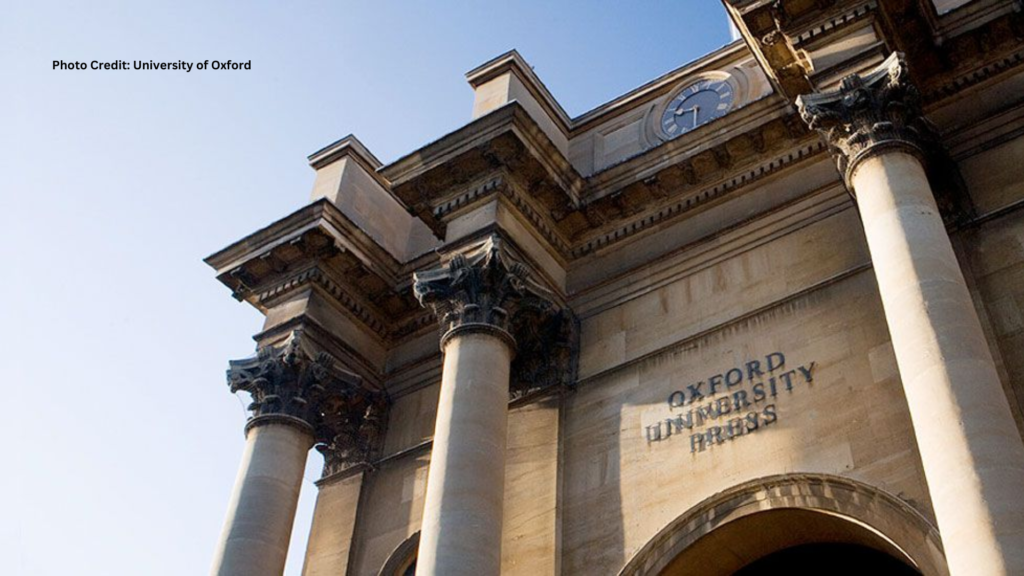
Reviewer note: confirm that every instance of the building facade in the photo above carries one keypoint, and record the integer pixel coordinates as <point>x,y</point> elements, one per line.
<point>765,310</point>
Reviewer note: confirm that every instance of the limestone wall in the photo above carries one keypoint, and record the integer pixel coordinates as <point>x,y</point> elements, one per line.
<point>622,484</point>
<point>995,258</point>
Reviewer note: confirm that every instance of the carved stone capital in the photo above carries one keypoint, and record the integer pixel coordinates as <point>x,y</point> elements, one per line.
<point>481,289</point>
<point>307,389</point>
<point>868,115</point>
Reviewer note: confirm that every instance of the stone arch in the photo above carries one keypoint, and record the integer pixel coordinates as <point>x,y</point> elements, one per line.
<point>840,509</point>
<point>402,557</point>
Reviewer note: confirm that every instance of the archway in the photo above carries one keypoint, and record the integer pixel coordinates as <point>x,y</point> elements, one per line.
<point>792,520</point>
<point>839,560</point>
<point>402,560</point>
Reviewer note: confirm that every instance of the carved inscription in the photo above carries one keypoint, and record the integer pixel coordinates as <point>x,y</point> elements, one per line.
<point>731,404</point>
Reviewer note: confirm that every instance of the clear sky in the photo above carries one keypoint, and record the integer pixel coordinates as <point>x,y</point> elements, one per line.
<point>115,184</point>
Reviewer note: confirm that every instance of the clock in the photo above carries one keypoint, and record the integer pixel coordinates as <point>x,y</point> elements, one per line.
<point>695,105</point>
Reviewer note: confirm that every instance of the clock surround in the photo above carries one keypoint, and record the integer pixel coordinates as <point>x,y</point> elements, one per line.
<point>697,103</point>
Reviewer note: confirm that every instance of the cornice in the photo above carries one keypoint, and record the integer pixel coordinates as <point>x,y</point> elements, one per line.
<point>837,21</point>
<point>317,246</point>
<point>347,146</point>
<point>762,24</point>
<point>488,127</point>
<point>952,86</point>
<point>368,315</point>
<point>697,198</point>
<point>500,185</point>
<point>504,138</point>
<point>319,214</point>
<point>644,191</point>
<point>969,16</point>
<point>735,126</point>
<point>573,126</point>
<point>271,235</point>
<point>945,57</point>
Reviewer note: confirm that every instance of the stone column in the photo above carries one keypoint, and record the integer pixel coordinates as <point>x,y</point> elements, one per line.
<point>475,298</point>
<point>297,402</point>
<point>260,516</point>
<point>971,451</point>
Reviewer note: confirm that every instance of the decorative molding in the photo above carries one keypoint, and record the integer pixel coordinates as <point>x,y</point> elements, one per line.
<point>317,276</point>
<point>834,24</point>
<point>868,115</point>
<point>844,498</point>
<point>445,208</point>
<point>500,185</point>
<point>299,386</point>
<point>975,76</point>
<point>700,198</point>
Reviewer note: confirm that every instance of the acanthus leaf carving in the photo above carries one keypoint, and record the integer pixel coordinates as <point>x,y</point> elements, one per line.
<point>484,289</point>
<point>868,114</point>
<point>306,388</point>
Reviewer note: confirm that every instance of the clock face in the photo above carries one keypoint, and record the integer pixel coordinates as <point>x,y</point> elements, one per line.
<point>697,104</point>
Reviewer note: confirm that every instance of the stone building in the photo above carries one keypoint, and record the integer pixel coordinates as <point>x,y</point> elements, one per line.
<point>764,311</point>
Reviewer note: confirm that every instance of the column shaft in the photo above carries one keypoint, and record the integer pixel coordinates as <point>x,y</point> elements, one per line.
<point>461,533</point>
<point>259,521</point>
<point>972,454</point>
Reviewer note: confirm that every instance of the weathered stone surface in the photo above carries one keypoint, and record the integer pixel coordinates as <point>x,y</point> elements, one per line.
<point>869,115</point>
<point>674,263</point>
<point>288,385</point>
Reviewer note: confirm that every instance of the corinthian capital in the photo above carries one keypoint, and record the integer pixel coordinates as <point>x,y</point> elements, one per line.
<point>306,389</point>
<point>479,289</point>
<point>869,114</point>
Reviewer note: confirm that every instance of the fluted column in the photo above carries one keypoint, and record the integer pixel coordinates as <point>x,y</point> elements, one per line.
<point>298,402</point>
<point>476,297</point>
<point>970,448</point>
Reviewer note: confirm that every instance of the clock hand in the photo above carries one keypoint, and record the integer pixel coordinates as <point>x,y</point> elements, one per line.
<point>696,110</point>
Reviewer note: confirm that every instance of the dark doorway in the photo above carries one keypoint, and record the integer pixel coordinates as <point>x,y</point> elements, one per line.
<point>831,559</point>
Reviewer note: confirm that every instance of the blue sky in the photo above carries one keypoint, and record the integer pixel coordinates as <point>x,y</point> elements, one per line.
<point>115,184</point>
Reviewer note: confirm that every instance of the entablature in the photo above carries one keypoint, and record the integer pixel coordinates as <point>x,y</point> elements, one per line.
<point>318,247</point>
<point>507,138</point>
<point>808,44</point>
<point>451,182</point>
